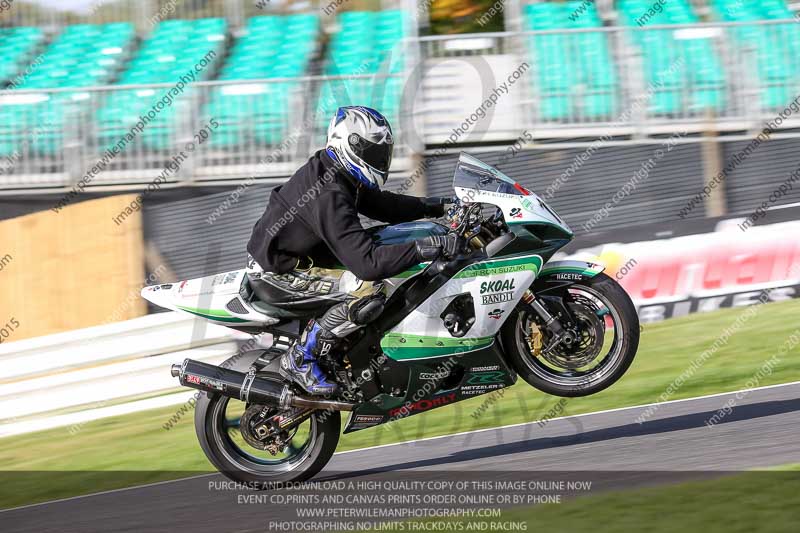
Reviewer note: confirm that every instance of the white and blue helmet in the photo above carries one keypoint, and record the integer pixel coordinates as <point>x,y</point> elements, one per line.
<point>361,140</point>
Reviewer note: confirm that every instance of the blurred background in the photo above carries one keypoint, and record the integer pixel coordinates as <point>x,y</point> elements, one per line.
<point>665,132</point>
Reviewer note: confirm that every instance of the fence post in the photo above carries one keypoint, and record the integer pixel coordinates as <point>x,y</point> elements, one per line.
<point>72,148</point>
<point>144,14</point>
<point>234,12</point>
<point>711,150</point>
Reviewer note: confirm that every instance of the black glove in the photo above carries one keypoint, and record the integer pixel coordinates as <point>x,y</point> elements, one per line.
<point>434,206</point>
<point>430,248</point>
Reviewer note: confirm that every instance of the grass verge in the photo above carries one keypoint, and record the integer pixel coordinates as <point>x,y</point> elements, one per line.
<point>746,502</point>
<point>138,443</point>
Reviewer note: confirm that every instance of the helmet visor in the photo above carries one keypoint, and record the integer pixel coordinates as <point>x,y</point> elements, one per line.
<point>378,156</point>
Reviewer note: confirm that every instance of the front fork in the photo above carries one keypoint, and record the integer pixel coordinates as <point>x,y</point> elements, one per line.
<point>560,334</point>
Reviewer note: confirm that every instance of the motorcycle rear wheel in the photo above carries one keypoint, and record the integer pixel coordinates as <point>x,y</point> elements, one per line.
<point>217,422</point>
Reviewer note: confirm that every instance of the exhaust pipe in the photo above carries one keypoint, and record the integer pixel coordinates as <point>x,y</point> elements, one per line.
<point>248,387</point>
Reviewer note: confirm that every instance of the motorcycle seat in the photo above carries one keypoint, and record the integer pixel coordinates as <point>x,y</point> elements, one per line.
<point>278,301</point>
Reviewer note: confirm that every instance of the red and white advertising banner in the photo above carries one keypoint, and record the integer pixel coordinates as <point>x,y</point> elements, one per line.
<point>704,272</point>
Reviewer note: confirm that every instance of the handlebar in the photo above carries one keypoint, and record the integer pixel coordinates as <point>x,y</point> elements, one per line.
<point>442,264</point>
<point>467,222</point>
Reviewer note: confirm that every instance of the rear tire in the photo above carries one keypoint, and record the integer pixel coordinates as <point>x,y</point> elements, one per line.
<point>239,465</point>
<point>624,347</point>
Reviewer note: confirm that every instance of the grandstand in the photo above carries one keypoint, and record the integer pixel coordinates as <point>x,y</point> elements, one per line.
<point>17,47</point>
<point>272,80</point>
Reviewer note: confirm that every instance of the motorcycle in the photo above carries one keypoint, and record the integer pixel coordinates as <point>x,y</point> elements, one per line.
<point>451,329</point>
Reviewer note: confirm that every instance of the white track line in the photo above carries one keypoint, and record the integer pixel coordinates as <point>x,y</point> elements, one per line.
<point>112,491</point>
<point>500,428</point>
<point>616,409</point>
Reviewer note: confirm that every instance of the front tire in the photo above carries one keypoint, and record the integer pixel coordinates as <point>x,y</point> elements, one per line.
<point>598,301</point>
<point>217,428</point>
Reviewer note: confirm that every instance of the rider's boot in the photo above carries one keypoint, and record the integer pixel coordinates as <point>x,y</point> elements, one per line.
<point>322,337</point>
<point>300,365</point>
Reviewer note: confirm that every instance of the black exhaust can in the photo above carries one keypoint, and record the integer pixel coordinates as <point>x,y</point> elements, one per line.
<point>215,379</point>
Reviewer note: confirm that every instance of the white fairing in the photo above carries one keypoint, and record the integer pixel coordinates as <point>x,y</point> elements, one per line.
<point>215,298</point>
<point>495,285</point>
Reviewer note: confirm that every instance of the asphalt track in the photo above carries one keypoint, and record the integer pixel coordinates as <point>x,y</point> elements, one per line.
<point>611,448</point>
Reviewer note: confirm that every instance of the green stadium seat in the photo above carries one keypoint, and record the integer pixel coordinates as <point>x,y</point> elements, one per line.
<point>173,49</point>
<point>82,55</point>
<point>570,61</point>
<point>699,85</point>
<point>775,48</point>
<point>367,43</point>
<point>272,46</point>
<point>17,49</point>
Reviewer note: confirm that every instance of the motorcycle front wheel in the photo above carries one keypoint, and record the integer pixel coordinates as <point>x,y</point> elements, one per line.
<point>605,341</point>
<point>218,424</point>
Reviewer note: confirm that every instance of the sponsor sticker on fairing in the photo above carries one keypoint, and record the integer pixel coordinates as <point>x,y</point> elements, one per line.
<point>484,368</point>
<point>485,378</point>
<point>423,405</point>
<point>474,390</point>
<point>498,285</point>
<point>528,205</point>
<point>365,421</point>
<point>428,376</point>
<point>368,418</point>
<point>496,313</point>
<point>500,297</point>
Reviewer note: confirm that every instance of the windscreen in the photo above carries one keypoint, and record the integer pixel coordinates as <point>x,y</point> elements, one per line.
<point>472,173</point>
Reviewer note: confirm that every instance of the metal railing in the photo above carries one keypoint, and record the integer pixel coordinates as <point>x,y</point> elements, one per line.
<point>116,135</point>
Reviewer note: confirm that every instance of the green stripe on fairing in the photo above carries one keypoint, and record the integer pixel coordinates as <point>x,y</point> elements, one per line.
<point>419,346</point>
<point>534,262</point>
<point>211,314</point>
<point>416,269</point>
<point>496,266</point>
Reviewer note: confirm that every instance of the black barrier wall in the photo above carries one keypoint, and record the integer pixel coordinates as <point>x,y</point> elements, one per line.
<point>577,194</point>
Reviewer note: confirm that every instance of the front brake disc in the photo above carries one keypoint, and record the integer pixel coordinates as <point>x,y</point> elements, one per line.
<point>588,344</point>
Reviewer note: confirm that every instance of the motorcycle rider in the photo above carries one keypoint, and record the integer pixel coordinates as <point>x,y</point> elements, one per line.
<point>311,227</point>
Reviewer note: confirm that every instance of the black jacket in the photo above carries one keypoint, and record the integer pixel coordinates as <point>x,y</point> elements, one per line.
<point>315,215</point>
